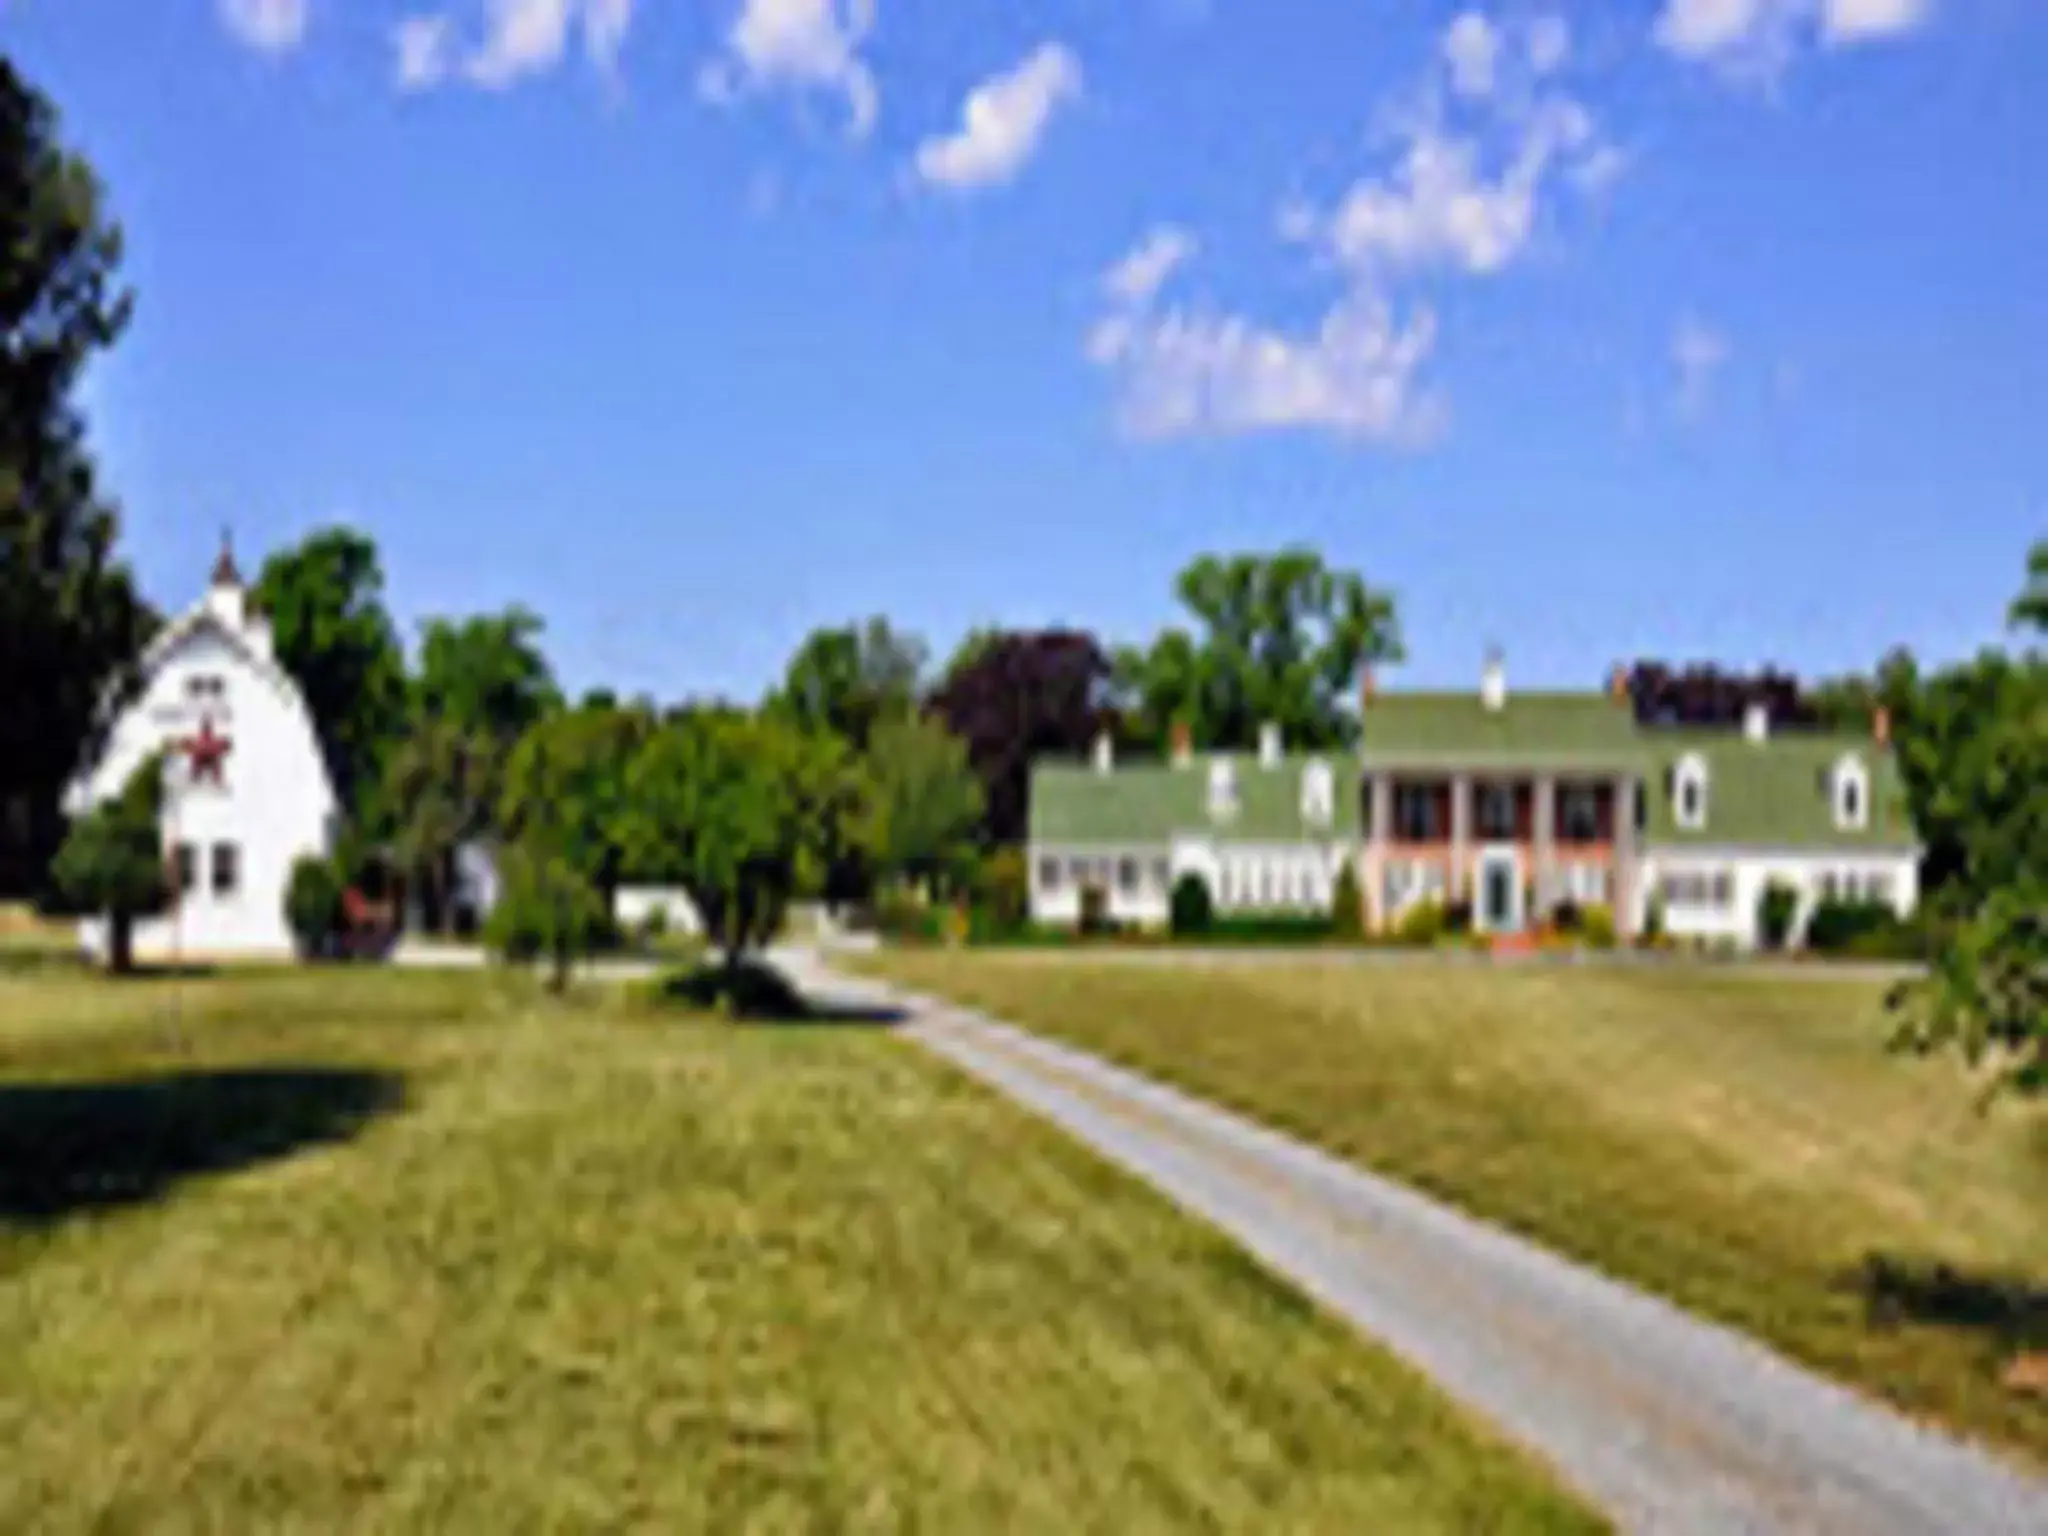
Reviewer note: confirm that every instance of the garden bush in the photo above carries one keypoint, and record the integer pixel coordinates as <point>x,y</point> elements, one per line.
<point>1455,916</point>
<point>1567,917</point>
<point>1193,910</point>
<point>313,906</point>
<point>1272,928</point>
<point>1347,904</point>
<point>1840,926</point>
<point>1596,926</point>
<point>1776,910</point>
<point>1002,895</point>
<point>1422,925</point>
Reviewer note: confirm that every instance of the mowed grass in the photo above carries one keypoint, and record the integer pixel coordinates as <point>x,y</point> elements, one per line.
<point>1741,1144</point>
<point>381,1252</point>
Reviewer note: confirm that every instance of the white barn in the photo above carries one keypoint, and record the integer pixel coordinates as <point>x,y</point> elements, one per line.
<point>246,788</point>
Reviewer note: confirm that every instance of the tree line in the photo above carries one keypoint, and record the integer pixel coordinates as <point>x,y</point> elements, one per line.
<point>865,768</point>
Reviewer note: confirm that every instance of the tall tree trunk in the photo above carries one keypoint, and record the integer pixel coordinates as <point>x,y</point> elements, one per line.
<point>120,943</point>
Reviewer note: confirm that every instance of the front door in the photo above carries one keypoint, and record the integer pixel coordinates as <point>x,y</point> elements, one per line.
<point>1499,900</point>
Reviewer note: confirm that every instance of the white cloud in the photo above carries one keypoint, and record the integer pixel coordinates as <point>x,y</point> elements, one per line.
<point>1471,49</point>
<point>268,26</point>
<point>1137,279</point>
<point>1482,150</point>
<point>530,37</point>
<point>1756,38</point>
<point>803,45</point>
<point>1698,353</point>
<point>1852,21</point>
<point>1357,374</point>
<point>1002,123</point>
<point>424,46</point>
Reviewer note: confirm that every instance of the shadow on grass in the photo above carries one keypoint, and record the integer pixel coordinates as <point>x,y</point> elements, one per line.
<point>66,1148</point>
<point>2008,1311</point>
<point>757,993</point>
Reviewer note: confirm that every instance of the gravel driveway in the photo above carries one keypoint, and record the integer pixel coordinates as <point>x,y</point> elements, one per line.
<point>1666,1422</point>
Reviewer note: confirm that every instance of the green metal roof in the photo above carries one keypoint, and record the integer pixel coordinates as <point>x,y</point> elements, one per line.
<point>1530,729</point>
<point>1147,803</point>
<point>1775,793</point>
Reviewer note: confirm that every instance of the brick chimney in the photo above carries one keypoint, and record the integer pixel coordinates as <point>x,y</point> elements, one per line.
<point>1617,684</point>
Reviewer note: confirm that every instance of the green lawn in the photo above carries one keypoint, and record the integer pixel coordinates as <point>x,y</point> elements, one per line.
<point>367,1251</point>
<point>1742,1145</point>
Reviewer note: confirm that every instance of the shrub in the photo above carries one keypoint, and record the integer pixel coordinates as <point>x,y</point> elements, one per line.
<point>1776,910</point>
<point>1596,926</point>
<point>1567,916</point>
<point>1193,909</point>
<point>1347,904</point>
<point>1003,890</point>
<point>654,924</point>
<point>1095,911</point>
<point>901,918</point>
<point>312,906</point>
<point>1456,916</point>
<point>1654,933</point>
<point>1839,926</point>
<point>1422,925</point>
<point>1272,928</point>
<point>546,908</point>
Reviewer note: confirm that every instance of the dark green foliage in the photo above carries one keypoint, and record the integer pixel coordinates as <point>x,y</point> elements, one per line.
<point>71,621</point>
<point>1002,895</point>
<point>1567,917</point>
<point>112,862</point>
<point>564,790</point>
<point>325,601</point>
<point>486,675</point>
<point>1278,637</point>
<point>1457,915</point>
<point>1423,925</point>
<point>313,906</point>
<point>744,812</point>
<point>1843,927</point>
<point>1277,928</point>
<point>1347,904</point>
<point>1776,910</point>
<point>547,909</point>
<point>926,803</point>
<point>848,680</point>
<point>1985,995</point>
<point>1192,910</point>
<point>902,917</point>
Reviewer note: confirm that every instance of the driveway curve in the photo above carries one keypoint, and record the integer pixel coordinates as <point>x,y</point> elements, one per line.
<point>1668,1423</point>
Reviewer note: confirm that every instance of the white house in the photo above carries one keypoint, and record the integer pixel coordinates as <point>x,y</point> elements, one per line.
<point>246,788</point>
<point>1513,803</point>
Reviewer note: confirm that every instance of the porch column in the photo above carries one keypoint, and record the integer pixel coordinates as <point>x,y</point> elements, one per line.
<point>1380,815</point>
<point>1627,858</point>
<point>1546,843</point>
<point>1461,835</point>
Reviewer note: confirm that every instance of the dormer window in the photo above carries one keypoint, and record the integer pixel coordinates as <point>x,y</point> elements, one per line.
<point>1689,793</point>
<point>1318,794</point>
<point>1851,795</point>
<point>1222,790</point>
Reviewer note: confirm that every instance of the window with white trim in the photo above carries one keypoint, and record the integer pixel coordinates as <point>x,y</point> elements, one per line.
<point>1049,872</point>
<point>1318,794</point>
<point>1578,813</point>
<point>1852,795</point>
<point>1222,790</point>
<point>1689,793</point>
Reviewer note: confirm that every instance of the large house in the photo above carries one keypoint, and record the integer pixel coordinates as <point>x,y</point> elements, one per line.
<point>246,788</point>
<point>1512,802</point>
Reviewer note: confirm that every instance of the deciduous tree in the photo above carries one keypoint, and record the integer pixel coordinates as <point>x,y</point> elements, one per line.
<point>325,601</point>
<point>1019,696</point>
<point>744,813</point>
<point>928,802</point>
<point>1278,638</point>
<point>112,862</point>
<point>849,679</point>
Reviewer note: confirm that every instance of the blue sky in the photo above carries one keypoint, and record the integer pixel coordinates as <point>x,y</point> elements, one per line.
<point>1688,327</point>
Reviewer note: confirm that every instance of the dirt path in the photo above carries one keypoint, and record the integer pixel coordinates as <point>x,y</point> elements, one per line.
<point>1667,1422</point>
